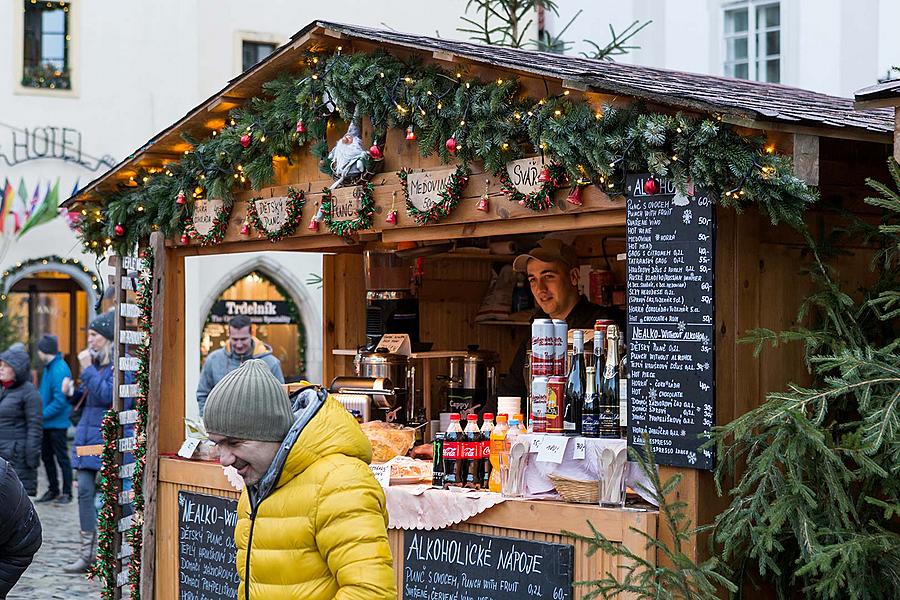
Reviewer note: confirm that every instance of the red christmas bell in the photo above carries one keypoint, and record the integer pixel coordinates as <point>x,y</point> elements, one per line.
<point>185,240</point>
<point>120,231</point>
<point>245,140</point>
<point>450,144</point>
<point>651,186</point>
<point>180,199</point>
<point>375,152</point>
<point>544,177</point>
<point>313,225</point>
<point>301,128</point>
<point>245,229</point>
<point>391,218</point>
<point>483,204</point>
<point>574,196</point>
<point>410,134</point>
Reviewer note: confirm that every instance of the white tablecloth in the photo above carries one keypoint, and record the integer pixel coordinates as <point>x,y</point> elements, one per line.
<point>423,507</point>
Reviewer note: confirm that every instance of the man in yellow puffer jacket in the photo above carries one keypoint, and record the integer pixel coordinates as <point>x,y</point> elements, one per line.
<point>312,521</point>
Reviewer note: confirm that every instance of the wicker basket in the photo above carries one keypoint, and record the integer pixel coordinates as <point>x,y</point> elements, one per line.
<point>576,490</point>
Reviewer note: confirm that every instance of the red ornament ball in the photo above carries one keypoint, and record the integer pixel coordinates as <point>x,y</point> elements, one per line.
<point>651,186</point>
<point>375,152</point>
<point>450,144</point>
<point>245,229</point>
<point>120,231</point>
<point>185,240</point>
<point>245,140</point>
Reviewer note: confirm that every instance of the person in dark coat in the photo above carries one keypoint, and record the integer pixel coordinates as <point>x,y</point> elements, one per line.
<point>21,417</point>
<point>20,529</point>
<point>57,409</point>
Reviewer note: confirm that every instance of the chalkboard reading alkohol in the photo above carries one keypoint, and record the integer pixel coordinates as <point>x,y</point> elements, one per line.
<point>206,550</point>
<point>454,565</point>
<point>670,249</point>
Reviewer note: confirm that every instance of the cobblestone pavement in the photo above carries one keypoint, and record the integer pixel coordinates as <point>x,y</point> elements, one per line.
<point>45,578</point>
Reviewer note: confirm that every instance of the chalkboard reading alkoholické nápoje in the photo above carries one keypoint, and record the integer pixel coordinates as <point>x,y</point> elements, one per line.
<point>455,565</point>
<point>670,255</point>
<point>206,550</point>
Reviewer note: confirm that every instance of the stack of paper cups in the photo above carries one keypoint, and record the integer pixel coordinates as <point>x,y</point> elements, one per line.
<point>509,405</point>
<point>444,421</point>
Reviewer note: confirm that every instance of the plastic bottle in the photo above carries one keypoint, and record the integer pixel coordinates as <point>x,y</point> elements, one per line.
<point>519,418</point>
<point>453,452</point>
<point>498,436</point>
<point>487,427</point>
<point>511,436</point>
<point>471,452</point>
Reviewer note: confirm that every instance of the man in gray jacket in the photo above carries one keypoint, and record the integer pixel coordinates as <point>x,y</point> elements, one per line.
<point>241,346</point>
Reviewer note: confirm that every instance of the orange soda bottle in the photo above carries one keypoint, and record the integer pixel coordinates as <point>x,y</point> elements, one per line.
<point>498,437</point>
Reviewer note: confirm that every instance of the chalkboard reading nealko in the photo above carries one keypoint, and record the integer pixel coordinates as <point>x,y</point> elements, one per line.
<point>454,565</point>
<point>671,395</point>
<point>206,550</point>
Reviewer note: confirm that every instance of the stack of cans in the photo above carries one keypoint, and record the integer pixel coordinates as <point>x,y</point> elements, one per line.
<point>549,341</point>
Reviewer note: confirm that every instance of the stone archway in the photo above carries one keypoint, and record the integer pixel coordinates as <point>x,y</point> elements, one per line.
<point>310,313</point>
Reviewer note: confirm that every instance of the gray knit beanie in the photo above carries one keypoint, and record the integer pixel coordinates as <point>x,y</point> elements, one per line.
<point>249,404</point>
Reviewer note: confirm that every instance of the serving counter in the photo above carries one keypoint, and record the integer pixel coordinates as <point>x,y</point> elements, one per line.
<point>535,521</point>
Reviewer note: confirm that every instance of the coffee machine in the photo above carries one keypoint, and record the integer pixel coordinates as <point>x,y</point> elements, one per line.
<point>391,305</point>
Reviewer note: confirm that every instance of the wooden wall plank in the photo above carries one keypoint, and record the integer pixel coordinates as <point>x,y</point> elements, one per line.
<point>171,342</point>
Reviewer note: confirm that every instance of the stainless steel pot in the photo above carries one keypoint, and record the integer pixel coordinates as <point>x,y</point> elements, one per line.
<point>381,364</point>
<point>472,381</point>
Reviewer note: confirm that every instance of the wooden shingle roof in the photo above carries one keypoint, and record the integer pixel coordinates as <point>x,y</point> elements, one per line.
<point>739,97</point>
<point>739,101</point>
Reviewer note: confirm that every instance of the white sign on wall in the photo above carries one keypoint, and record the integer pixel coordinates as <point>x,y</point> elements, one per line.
<point>424,187</point>
<point>205,213</point>
<point>346,203</point>
<point>524,174</point>
<point>272,212</point>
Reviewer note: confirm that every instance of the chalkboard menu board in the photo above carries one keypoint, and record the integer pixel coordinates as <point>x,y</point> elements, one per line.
<point>206,550</point>
<point>670,321</point>
<point>464,566</point>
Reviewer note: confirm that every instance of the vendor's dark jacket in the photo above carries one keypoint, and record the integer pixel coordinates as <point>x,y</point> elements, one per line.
<point>582,316</point>
<point>20,529</point>
<point>21,421</point>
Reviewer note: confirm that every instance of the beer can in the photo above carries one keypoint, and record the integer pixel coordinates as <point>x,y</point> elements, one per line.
<point>543,348</point>
<point>556,393</point>
<point>539,404</point>
<point>560,344</point>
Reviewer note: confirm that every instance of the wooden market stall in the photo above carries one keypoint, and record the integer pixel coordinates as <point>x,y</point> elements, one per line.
<point>754,263</point>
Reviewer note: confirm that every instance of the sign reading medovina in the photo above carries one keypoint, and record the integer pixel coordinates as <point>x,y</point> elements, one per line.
<point>266,312</point>
<point>454,564</point>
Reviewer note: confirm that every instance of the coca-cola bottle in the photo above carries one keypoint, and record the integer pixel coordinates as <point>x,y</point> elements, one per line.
<point>471,452</point>
<point>487,427</point>
<point>453,442</point>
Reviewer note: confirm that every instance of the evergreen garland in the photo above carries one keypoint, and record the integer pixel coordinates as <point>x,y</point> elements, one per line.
<point>540,199</point>
<point>296,201</point>
<point>450,197</point>
<point>219,228</point>
<point>490,121</point>
<point>105,565</point>
<point>363,218</point>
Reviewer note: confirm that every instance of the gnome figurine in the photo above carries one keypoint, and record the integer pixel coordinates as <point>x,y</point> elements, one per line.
<point>348,157</point>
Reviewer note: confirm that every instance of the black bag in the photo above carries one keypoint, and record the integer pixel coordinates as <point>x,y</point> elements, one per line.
<point>77,403</point>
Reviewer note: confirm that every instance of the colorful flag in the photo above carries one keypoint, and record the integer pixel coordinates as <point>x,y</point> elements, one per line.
<point>45,212</point>
<point>73,217</point>
<point>5,204</point>
<point>23,194</point>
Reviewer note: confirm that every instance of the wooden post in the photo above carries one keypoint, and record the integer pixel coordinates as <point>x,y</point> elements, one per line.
<point>151,434</point>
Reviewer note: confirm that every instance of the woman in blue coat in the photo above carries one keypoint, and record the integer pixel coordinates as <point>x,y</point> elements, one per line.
<point>96,389</point>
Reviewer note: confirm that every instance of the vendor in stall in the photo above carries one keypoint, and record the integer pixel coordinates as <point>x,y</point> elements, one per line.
<point>552,272</point>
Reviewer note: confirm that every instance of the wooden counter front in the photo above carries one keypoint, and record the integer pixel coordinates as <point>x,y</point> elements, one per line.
<point>525,519</point>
